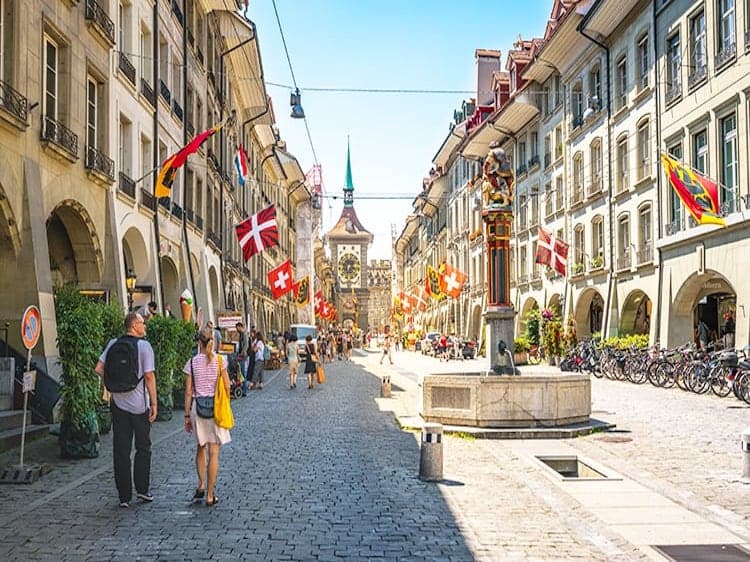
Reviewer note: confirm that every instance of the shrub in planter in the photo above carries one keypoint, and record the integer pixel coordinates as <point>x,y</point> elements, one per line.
<point>79,337</point>
<point>161,332</point>
<point>185,346</point>
<point>533,318</point>
<point>104,418</point>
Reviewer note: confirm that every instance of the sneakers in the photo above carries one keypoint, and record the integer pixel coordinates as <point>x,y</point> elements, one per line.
<point>124,504</point>
<point>147,496</point>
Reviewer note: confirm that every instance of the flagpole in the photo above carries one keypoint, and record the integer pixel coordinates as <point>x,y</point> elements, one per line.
<point>157,234</point>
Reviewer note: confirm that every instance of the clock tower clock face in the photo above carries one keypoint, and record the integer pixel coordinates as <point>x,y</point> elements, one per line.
<point>349,268</point>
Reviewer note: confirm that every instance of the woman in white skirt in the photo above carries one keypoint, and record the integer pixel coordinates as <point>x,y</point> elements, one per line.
<point>205,368</point>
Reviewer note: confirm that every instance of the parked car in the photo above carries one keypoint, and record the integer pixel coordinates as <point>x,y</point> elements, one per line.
<point>428,343</point>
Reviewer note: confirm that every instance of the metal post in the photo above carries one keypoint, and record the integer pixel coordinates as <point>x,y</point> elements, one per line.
<point>25,404</point>
<point>385,387</point>
<point>746,454</point>
<point>431,453</point>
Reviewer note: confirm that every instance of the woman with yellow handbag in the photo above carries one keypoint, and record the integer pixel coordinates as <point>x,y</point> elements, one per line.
<point>205,374</point>
<point>311,360</point>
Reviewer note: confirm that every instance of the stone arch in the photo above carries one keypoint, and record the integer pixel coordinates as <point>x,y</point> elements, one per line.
<point>213,286</point>
<point>589,313</point>
<point>135,255</point>
<point>476,322</point>
<point>528,305</point>
<point>555,305</point>
<point>635,317</point>
<point>10,238</point>
<point>709,287</point>
<point>74,249</point>
<point>170,281</point>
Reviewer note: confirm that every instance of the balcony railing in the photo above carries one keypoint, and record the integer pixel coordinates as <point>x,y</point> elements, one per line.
<point>577,121</point>
<point>534,161</point>
<point>148,92</point>
<point>176,211</point>
<point>623,262</point>
<point>96,14</point>
<point>521,170</point>
<point>164,91</point>
<point>126,67</point>
<point>622,183</point>
<point>97,161</point>
<point>730,204</point>
<point>147,199</point>
<point>725,55</point>
<point>190,216</point>
<point>164,203</point>
<point>696,76</point>
<point>645,254</point>
<point>547,159</point>
<point>126,184</point>
<point>212,237</point>
<point>56,132</point>
<point>13,102</point>
<point>523,279</point>
<point>177,110</point>
<point>199,222</point>
<point>190,128</point>
<point>673,92</point>
<point>673,227</point>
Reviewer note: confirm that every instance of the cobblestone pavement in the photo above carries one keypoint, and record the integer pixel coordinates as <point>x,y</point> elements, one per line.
<point>326,474</point>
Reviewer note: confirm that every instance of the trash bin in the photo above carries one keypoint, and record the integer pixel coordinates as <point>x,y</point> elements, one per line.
<point>385,386</point>
<point>431,453</point>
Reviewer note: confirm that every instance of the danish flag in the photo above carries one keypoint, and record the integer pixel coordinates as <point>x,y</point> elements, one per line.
<point>258,232</point>
<point>280,279</point>
<point>551,251</point>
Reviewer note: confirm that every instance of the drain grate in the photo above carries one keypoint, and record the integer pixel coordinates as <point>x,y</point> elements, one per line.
<point>704,552</point>
<point>571,467</point>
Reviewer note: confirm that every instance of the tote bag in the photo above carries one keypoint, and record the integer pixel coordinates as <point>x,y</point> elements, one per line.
<point>223,416</point>
<point>321,374</point>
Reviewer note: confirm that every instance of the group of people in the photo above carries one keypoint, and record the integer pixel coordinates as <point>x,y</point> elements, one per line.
<point>251,357</point>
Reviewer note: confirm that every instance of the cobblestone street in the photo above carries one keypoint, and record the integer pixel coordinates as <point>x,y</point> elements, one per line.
<point>327,474</point>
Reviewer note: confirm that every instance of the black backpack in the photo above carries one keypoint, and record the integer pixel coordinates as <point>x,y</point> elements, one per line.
<point>121,365</point>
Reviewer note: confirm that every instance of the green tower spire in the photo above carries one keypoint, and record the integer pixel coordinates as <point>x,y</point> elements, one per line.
<point>349,187</point>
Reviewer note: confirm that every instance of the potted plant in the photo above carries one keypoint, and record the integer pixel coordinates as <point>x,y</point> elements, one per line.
<point>113,324</point>
<point>597,262</point>
<point>553,340</point>
<point>185,344</point>
<point>578,268</point>
<point>79,335</point>
<point>162,333</point>
<point>521,348</point>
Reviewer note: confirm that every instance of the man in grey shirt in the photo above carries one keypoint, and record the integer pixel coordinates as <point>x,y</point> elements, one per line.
<point>132,414</point>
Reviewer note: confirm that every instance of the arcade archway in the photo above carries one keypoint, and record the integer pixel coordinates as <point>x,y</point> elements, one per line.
<point>589,313</point>
<point>170,281</point>
<point>635,317</point>
<point>74,249</point>
<point>708,297</point>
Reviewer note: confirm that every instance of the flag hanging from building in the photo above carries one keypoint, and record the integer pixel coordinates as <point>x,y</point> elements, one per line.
<point>169,168</point>
<point>551,251</point>
<point>258,232</point>
<point>432,283</point>
<point>240,163</point>
<point>280,279</point>
<point>420,297</point>
<point>302,291</point>
<point>699,194</point>
<point>452,281</point>
<point>318,302</point>
<point>405,302</point>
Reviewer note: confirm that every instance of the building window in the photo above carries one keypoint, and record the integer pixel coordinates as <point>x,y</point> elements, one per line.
<point>125,140</point>
<point>674,62</point>
<point>700,151</point>
<point>535,146</point>
<point>622,164</point>
<point>576,102</point>
<point>546,107</point>
<point>558,142</point>
<point>725,35</point>
<point>595,84</point>
<point>124,35</point>
<point>644,150</point>
<point>51,62</point>
<point>644,229</point>
<point>547,151</point>
<point>597,237</point>
<point>92,113</point>
<point>621,84</point>
<point>579,246</point>
<point>729,165</point>
<point>676,214</point>
<point>697,48</point>
<point>146,54</point>
<point>145,155</point>
<point>623,239</point>
<point>596,165</point>
<point>577,178</point>
<point>559,188</point>
<point>642,53</point>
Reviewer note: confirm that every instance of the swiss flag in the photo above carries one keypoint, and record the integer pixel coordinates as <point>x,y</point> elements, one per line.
<point>258,232</point>
<point>452,281</point>
<point>551,251</point>
<point>325,309</point>
<point>280,279</point>
<point>405,303</point>
<point>318,300</point>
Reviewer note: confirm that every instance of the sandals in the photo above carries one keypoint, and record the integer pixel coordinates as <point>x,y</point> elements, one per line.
<point>199,494</point>
<point>210,503</point>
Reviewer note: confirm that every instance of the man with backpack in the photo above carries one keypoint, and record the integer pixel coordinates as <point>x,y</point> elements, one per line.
<point>127,366</point>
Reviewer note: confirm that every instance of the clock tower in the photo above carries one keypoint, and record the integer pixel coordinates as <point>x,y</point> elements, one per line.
<point>349,241</point>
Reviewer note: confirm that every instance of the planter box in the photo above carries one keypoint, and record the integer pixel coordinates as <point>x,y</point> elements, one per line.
<point>521,357</point>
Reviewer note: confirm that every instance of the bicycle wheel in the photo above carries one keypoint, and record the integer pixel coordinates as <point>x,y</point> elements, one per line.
<point>667,374</point>
<point>697,379</point>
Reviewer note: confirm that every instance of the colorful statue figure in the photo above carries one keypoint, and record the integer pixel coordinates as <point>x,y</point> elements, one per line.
<point>498,180</point>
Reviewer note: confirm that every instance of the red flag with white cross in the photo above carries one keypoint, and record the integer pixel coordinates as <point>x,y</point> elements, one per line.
<point>318,301</point>
<point>280,279</point>
<point>258,232</point>
<point>452,281</point>
<point>551,251</point>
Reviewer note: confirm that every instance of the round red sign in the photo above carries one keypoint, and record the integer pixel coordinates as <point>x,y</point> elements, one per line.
<point>31,327</point>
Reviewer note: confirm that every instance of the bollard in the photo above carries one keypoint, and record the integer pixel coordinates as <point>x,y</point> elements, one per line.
<point>431,453</point>
<point>385,387</point>
<point>746,454</point>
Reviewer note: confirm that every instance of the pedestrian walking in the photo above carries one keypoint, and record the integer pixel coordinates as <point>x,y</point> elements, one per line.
<point>127,366</point>
<point>293,359</point>
<point>311,360</point>
<point>202,373</point>
<point>387,349</point>
<point>242,344</point>
<point>703,335</point>
<point>259,348</point>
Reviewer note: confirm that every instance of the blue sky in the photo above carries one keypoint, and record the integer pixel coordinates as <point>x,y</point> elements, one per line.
<point>384,44</point>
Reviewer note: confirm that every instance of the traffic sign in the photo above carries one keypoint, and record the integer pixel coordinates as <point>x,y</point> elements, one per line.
<point>29,381</point>
<point>31,327</point>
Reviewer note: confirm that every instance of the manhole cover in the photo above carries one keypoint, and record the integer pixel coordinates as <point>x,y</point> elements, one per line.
<point>703,552</point>
<point>614,439</point>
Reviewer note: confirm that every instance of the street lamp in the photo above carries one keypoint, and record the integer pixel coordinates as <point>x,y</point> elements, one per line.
<point>130,280</point>
<point>295,101</point>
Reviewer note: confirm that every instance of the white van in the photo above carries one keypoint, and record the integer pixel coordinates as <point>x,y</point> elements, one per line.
<point>301,331</point>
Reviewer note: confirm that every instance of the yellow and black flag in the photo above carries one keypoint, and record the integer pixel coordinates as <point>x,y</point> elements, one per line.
<point>302,291</point>
<point>433,283</point>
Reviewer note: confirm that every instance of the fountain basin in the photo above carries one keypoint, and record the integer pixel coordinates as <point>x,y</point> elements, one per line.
<point>539,397</point>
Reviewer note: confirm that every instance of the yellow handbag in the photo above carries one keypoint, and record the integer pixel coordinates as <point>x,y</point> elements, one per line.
<point>223,415</point>
<point>321,374</point>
